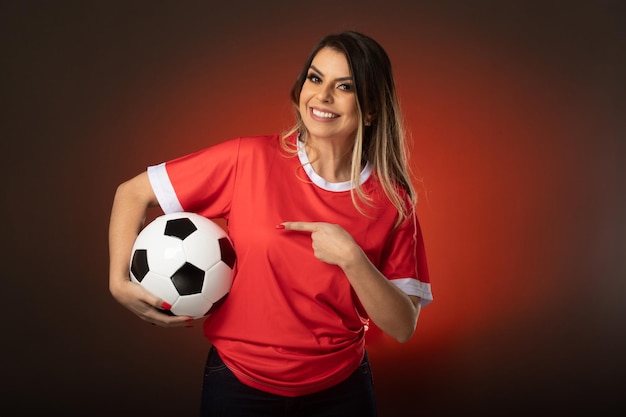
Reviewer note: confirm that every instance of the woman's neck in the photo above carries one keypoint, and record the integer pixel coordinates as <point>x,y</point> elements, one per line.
<point>330,160</point>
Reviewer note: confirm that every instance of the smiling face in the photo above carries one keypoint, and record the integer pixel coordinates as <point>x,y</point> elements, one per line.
<point>328,98</point>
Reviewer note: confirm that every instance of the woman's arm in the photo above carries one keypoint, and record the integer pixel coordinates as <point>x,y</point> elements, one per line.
<point>394,312</point>
<point>130,204</point>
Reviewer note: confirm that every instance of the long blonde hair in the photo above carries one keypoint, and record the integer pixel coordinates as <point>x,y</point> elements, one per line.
<point>381,138</point>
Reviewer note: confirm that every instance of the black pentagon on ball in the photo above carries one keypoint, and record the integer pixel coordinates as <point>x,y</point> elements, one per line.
<point>228,253</point>
<point>188,279</point>
<point>180,228</point>
<point>139,265</point>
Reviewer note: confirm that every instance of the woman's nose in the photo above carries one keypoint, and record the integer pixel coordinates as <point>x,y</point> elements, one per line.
<point>325,93</point>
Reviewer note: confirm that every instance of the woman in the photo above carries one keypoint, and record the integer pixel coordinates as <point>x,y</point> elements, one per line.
<point>323,222</point>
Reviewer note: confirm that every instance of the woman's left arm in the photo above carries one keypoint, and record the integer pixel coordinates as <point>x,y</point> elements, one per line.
<point>393,311</point>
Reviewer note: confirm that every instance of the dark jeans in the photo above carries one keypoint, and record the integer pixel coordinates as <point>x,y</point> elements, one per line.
<point>224,396</point>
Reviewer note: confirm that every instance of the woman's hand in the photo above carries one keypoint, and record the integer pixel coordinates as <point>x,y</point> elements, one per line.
<point>145,305</point>
<point>331,243</point>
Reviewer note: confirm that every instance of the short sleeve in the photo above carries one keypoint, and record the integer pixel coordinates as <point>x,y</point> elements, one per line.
<point>404,260</point>
<point>201,182</point>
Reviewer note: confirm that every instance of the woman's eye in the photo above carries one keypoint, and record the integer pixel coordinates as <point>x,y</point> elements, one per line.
<point>345,87</point>
<point>313,78</point>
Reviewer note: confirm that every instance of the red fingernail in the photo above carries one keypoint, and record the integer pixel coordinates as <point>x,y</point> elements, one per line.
<point>280,226</point>
<point>189,319</point>
<point>166,306</point>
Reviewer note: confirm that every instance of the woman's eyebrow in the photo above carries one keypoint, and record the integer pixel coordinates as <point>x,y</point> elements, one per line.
<point>348,78</point>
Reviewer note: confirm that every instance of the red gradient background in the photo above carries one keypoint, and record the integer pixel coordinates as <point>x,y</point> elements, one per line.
<point>516,109</point>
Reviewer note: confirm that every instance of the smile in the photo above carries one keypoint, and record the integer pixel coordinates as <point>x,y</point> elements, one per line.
<point>323,114</point>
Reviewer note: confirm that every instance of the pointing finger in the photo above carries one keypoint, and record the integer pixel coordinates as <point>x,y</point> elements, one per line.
<point>299,226</point>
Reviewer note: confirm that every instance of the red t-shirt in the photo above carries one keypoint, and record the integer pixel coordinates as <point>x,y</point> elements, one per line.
<point>292,324</point>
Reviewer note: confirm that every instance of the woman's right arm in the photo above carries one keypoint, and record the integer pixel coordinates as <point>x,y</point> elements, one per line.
<point>130,204</point>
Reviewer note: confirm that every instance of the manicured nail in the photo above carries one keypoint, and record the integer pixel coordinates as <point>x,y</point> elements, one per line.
<point>280,226</point>
<point>166,306</point>
<point>189,319</point>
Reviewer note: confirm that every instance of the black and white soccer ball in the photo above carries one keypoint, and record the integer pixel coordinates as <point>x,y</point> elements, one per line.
<point>185,259</point>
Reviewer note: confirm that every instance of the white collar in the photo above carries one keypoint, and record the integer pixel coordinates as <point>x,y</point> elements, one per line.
<point>326,185</point>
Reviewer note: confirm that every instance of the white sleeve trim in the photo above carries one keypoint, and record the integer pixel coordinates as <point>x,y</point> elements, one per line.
<point>163,189</point>
<point>412,286</point>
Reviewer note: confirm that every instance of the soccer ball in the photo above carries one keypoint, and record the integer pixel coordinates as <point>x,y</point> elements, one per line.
<point>185,259</point>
